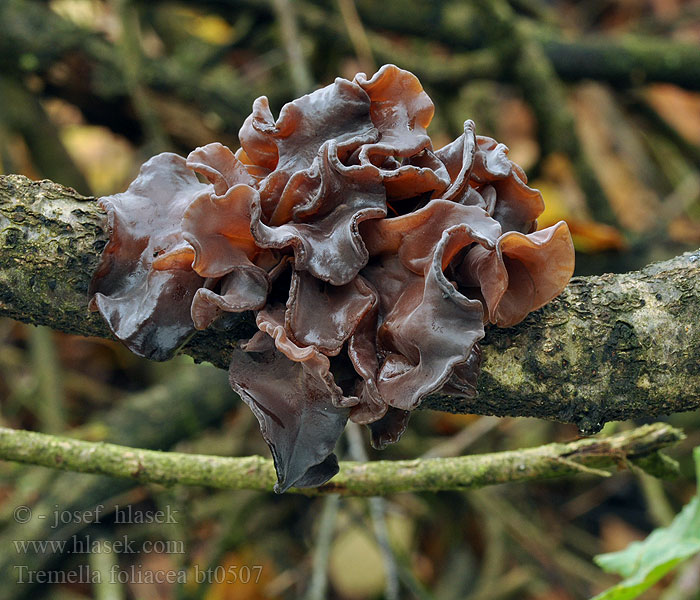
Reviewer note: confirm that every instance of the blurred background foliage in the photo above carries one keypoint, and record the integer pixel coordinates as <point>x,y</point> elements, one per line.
<point>598,101</point>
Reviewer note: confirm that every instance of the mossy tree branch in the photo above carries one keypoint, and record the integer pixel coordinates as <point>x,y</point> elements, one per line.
<point>610,347</point>
<point>591,455</point>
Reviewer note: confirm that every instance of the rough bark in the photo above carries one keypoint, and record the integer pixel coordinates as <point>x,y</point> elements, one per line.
<point>610,347</point>
<point>374,478</point>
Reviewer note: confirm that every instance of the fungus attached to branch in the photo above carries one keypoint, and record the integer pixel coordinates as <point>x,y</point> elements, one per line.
<point>360,314</point>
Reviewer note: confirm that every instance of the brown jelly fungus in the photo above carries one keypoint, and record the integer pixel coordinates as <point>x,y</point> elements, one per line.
<point>356,244</point>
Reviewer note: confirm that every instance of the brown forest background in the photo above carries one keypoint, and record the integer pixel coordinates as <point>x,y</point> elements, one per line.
<point>598,101</point>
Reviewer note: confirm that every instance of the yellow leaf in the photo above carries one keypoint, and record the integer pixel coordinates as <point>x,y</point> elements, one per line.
<point>210,28</point>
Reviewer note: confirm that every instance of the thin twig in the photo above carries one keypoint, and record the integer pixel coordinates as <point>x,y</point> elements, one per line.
<point>583,468</point>
<point>131,60</point>
<point>458,443</point>
<point>106,563</point>
<point>358,35</point>
<point>301,77</point>
<point>534,539</point>
<point>658,507</point>
<point>534,73</point>
<point>358,479</point>
<point>326,528</point>
<point>50,398</point>
<point>377,508</point>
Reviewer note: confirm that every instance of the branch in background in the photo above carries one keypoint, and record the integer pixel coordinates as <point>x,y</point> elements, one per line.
<point>622,61</point>
<point>49,399</point>
<point>65,57</point>
<point>610,347</point>
<point>287,20</point>
<point>130,62</point>
<point>22,113</point>
<point>36,39</point>
<point>523,56</point>
<point>591,455</point>
<point>625,61</point>
<point>357,35</point>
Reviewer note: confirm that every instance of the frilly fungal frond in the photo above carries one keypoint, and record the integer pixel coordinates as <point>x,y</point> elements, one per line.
<point>372,260</point>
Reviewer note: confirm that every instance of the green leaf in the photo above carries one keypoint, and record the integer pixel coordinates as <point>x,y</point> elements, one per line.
<point>644,563</point>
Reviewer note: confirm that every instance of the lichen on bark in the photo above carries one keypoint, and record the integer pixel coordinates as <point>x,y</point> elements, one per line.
<point>51,238</point>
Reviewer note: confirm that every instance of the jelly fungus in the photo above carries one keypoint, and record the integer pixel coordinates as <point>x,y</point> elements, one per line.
<point>371,261</point>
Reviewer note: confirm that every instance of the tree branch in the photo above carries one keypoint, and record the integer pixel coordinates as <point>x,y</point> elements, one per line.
<point>617,346</point>
<point>356,479</point>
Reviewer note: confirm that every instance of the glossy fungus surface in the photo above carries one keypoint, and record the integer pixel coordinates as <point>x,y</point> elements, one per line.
<point>371,259</point>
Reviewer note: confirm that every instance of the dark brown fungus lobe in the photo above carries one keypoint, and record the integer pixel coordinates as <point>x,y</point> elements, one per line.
<point>258,151</point>
<point>325,237</point>
<point>338,112</point>
<point>362,352</point>
<point>336,315</point>
<point>413,236</point>
<point>293,395</point>
<point>401,111</point>
<point>515,205</point>
<point>458,158</point>
<point>143,286</point>
<point>462,383</point>
<point>430,328</point>
<point>390,428</point>
<point>290,399</point>
<point>220,166</point>
<point>372,261</point>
